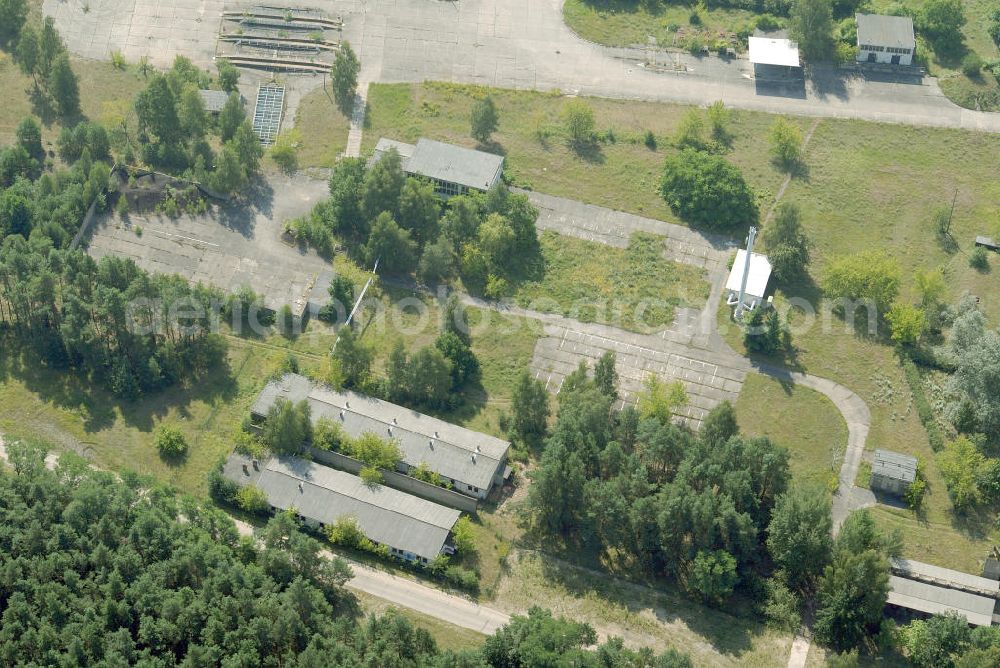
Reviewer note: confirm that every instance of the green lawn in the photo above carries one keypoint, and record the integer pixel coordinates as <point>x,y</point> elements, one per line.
<point>323,129</point>
<point>72,413</point>
<point>626,23</point>
<point>592,282</point>
<point>622,174</point>
<point>106,96</point>
<point>797,418</point>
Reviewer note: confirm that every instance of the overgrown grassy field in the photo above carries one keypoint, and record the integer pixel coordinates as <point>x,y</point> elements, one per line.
<point>627,22</point>
<point>592,282</point>
<point>665,619</point>
<point>106,95</point>
<point>622,175</point>
<point>797,418</point>
<point>876,186</point>
<point>319,119</point>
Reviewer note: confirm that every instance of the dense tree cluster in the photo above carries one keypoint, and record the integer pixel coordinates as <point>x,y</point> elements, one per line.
<point>175,132</point>
<point>693,508</point>
<point>707,190</point>
<point>947,640</point>
<point>109,319</point>
<point>487,239</point>
<point>42,55</point>
<point>975,352</point>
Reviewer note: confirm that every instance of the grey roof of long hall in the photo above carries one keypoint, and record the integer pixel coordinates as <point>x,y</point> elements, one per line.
<point>894,465</point>
<point>880,30</point>
<point>935,600</point>
<point>451,451</point>
<point>385,515</point>
<point>454,164</point>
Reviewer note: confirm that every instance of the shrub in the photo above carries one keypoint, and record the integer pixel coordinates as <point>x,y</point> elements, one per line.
<point>252,499</point>
<point>346,533</point>
<point>707,190</point>
<point>972,65</point>
<point>650,140</point>
<point>170,442</point>
<point>464,535</point>
<point>978,259</point>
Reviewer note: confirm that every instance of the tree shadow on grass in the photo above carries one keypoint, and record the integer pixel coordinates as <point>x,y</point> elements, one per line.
<point>76,392</point>
<point>589,151</point>
<point>727,634</point>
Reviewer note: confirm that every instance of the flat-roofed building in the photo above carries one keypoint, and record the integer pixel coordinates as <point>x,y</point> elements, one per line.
<point>412,528</point>
<point>893,472</point>
<point>885,39</point>
<point>214,100</point>
<point>757,278</point>
<point>944,577</point>
<point>454,170</point>
<point>774,57</point>
<point>472,462</point>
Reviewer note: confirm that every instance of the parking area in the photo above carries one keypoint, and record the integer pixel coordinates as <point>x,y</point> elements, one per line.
<point>232,246</point>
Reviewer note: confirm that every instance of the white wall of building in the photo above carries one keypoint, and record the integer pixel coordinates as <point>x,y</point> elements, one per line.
<point>884,55</point>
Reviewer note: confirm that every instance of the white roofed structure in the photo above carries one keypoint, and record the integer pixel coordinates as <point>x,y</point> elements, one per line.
<point>760,274</point>
<point>774,51</point>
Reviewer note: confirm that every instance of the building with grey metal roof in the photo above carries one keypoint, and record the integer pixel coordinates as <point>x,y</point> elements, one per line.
<point>885,39</point>
<point>471,461</point>
<point>454,169</point>
<point>413,528</point>
<point>944,577</point>
<point>214,100</point>
<point>934,600</point>
<point>893,472</point>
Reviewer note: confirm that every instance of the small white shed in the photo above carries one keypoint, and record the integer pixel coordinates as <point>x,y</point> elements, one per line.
<point>760,274</point>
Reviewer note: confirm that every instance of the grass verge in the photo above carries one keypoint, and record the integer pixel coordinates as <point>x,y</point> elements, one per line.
<point>797,418</point>
<point>323,129</point>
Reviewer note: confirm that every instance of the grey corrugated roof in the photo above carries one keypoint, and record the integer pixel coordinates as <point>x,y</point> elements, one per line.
<point>453,452</point>
<point>895,465</point>
<point>934,600</point>
<point>385,515</point>
<point>455,164</point>
<point>214,100</point>
<point>384,145</point>
<point>879,30</point>
<point>945,577</point>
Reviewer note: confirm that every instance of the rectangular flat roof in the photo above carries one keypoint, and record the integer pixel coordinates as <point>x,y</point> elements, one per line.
<point>933,600</point>
<point>772,51</point>
<point>891,31</point>
<point>945,577</point>
<point>760,274</point>
<point>385,145</point>
<point>453,452</point>
<point>895,465</point>
<point>455,164</point>
<point>385,515</point>
<point>214,100</point>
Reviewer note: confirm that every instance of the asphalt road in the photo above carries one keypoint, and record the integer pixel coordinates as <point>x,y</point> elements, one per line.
<point>511,44</point>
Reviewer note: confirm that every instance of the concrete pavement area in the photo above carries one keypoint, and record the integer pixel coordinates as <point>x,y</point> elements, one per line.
<point>510,44</point>
<point>233,245</point>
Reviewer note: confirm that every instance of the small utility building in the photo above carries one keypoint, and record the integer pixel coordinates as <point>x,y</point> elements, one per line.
<point>412,528</point>
<point>454,170</point>
<point>774,58</point>
<point>214,100</point>
<point>471,462</point>
<point>885,39</point>
<point>892,472</point>
<point>759,275</point>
